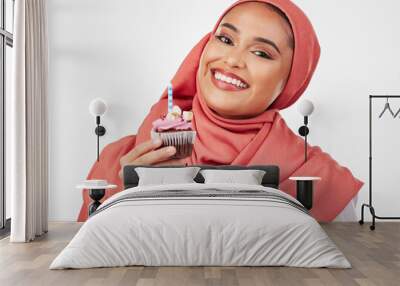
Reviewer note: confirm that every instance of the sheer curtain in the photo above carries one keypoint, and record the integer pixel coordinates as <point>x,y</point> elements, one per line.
<point>28,120</point>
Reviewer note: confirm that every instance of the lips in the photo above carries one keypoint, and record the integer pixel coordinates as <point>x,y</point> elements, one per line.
<point>227,81</point>
<point>228,74</point>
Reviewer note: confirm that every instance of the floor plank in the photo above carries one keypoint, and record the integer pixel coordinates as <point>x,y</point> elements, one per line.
<point>374,255</point>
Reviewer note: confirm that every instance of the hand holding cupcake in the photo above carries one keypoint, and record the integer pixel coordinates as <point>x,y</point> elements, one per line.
<point>175,129</point>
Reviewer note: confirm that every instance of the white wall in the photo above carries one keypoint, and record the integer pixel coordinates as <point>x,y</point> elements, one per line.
<point>126,52</point>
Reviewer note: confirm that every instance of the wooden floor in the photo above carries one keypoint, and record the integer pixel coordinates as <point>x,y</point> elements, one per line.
<point>375,257</point>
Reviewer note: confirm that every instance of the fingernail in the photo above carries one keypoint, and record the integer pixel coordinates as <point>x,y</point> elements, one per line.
<point>171,150</point>
<point>156,141</point>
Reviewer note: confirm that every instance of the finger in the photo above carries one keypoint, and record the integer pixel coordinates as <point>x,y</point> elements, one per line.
<point>156,156</point>
<point>139,150</point>
<point>172,162</point>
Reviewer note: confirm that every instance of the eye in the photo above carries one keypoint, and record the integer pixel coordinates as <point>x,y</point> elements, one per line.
<point>224,39</point>
<point>262,54</point>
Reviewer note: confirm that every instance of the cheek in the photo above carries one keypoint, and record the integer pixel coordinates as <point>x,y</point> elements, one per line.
<point>211,53</point>
<point>268,81</point>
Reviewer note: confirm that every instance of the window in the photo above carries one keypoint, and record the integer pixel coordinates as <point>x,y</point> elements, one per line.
<point>6,44</point>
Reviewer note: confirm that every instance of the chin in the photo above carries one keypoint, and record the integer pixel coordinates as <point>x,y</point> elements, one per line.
<point>218,103</point>
<point>229,113</point>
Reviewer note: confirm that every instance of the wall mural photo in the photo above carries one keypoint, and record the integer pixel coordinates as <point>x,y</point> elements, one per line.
<point>222,107</point>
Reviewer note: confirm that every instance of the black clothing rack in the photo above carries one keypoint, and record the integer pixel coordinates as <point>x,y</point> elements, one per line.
<point>369,205</point>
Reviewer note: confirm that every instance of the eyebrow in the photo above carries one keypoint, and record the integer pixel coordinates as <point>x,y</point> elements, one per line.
<point>257,39</point>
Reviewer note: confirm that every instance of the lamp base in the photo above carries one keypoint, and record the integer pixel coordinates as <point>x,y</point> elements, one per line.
<point>304,131</point>
<point>100,130</point>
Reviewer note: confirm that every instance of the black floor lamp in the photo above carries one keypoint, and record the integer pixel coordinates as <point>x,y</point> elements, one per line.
<point>97,108</point>
<point>304,190</point>
<point>306,108</point>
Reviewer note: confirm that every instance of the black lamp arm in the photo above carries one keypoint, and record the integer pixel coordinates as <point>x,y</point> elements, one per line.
<point>100,131</point>
<point>304,131</point>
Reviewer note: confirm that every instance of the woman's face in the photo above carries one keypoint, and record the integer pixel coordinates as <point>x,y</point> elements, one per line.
<point>246,63</point>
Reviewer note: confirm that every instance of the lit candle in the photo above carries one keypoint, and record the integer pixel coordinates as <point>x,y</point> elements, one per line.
<point>170,97</point>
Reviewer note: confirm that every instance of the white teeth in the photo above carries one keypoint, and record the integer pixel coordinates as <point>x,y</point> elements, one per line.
<point>230,80</point>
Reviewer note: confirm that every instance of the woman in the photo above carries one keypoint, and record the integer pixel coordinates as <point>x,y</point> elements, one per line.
<point>258,59</point>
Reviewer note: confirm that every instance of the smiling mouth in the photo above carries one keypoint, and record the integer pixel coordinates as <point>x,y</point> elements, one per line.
<point>228,81</point>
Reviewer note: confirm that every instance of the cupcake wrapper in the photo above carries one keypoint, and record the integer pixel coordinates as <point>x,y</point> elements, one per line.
<point>182,140</point>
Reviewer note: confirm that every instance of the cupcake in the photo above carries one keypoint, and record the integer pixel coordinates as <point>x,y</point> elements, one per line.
<point>175,129</point>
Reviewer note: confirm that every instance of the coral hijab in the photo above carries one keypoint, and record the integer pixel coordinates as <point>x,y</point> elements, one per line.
<point>264,139</point>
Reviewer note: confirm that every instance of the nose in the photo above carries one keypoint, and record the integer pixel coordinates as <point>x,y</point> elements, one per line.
<point>234,59</point>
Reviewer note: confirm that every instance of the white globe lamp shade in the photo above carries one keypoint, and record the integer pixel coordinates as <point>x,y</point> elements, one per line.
<point>306,107</point>
<point>97,107</point>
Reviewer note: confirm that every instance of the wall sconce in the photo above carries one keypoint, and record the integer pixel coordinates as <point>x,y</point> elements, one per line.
<point>97,108</point>
<point>305,108</point>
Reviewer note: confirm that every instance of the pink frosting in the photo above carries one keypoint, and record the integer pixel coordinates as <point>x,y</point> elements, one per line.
<point>176,124</point>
